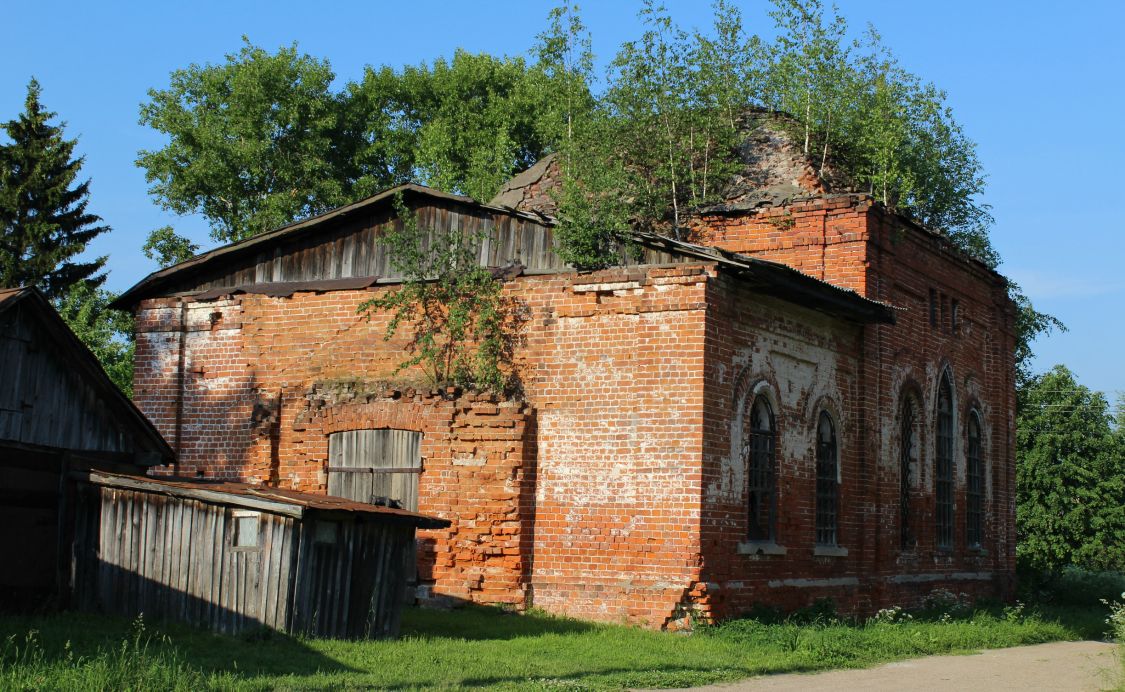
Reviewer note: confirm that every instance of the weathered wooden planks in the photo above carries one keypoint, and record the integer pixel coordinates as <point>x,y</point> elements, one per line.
<point>175,557</point>
<point>360,464</point>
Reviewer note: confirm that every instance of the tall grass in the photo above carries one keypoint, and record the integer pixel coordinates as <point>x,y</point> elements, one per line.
<point>139,662</point>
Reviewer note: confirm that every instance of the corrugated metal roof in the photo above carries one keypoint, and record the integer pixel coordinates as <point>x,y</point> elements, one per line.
<point>281,501</point>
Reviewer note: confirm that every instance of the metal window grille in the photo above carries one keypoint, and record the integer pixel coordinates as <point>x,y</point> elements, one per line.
<point>905,478</point>
<point>974,477</point>
<point>944,471</point>
<point>827,481</point>
<point>762,496</point>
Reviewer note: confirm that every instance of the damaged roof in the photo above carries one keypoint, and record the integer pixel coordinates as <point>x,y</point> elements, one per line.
<point>768,277</point>
<point>292,503</point>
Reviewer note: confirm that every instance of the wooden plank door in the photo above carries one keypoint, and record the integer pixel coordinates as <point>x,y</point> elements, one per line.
<point>375,466</point>
<point>382,467</point>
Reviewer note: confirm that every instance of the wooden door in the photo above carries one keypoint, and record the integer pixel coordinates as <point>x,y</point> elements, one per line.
<point>381,467</point>
<point>377,466</point>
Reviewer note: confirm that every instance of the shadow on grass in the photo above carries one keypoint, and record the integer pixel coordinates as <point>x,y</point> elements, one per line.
<point>62,636</point>
<point>477,623</point>
<point>664,676</point>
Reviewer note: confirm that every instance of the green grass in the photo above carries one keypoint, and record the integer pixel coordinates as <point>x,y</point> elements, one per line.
<point>483,646</point>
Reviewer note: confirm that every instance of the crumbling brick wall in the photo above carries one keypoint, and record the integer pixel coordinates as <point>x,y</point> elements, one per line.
<point>607,431</point>
<point>614,469</point>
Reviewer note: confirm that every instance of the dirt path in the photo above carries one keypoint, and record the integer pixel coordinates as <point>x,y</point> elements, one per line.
<point>1077,666</point>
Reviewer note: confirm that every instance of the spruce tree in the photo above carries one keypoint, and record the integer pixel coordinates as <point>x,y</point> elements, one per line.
<point>43,214</point>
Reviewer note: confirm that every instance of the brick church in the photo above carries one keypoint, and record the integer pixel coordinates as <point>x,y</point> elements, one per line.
<point>814,398</point>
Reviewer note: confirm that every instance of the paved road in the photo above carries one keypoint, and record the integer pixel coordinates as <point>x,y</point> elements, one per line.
<point>1061,666</point>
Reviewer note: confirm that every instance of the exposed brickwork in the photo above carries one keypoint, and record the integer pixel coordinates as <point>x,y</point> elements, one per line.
<point>615,488</point>
<point>851,242</point>
<point>584,480</point>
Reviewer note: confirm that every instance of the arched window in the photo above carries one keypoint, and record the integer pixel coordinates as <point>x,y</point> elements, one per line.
<point>974,484</point>
<point>827,480</point>
<point>943,471</point>
<point>907,455</point>
<point>762,496</point>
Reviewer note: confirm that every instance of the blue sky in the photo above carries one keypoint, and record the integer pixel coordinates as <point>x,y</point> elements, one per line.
<point>1038,85</point>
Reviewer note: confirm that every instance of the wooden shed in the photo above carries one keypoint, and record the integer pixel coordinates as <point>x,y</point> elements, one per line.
<point>58,411</point>
<point>232,556</point>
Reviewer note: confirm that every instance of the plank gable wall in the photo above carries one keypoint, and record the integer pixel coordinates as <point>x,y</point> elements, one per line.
<point>352,249</point>
<point>43,399</point>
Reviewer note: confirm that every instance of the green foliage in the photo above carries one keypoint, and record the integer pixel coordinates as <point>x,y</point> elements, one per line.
<point>44,224</point>
<point>478,647</point>
<point>593,214</point>
<point>1030,323</point>
<point>465,125</point>
<point>674,141</point>
<point>167,248</point>
<point>107,333</point>
<point>1070,478</point>
<point>856,108</point>
<point>663,138</point>
<point>461,324</point>
<point>1070,586</point>
<point>261,140</point>
<point>251,142</point>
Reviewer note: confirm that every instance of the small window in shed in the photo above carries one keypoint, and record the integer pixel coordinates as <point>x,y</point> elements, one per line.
<point>245,529</point>
<point>326,532</point>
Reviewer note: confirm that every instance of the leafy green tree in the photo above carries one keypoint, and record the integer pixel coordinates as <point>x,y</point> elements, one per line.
<point>1030,323</point>
<point>460,323</point>
<point>593,216</point>
<point>107,333</point>
<point>45,224</point>
<point>251,142</point>
<point>464,125</point>
<point>1070,478</point>
<point>809,73</point>
<point>168,248</point>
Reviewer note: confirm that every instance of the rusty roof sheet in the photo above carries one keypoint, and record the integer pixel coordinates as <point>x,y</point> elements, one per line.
<point>279,500</point>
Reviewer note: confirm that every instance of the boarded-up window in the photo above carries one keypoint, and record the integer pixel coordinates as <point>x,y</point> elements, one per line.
<point>379,466</point>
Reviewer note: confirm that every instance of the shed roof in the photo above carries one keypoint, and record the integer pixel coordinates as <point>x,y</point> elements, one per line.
<point>80,359</point>
<point>769,277</point>
<point>292,503</point>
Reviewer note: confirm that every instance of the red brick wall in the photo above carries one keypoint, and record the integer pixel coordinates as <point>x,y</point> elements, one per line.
<point>610,489</point>
<point>826,238</point>
<point>803,362</point>
<point>853,243</point>
<point>592,471</point>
